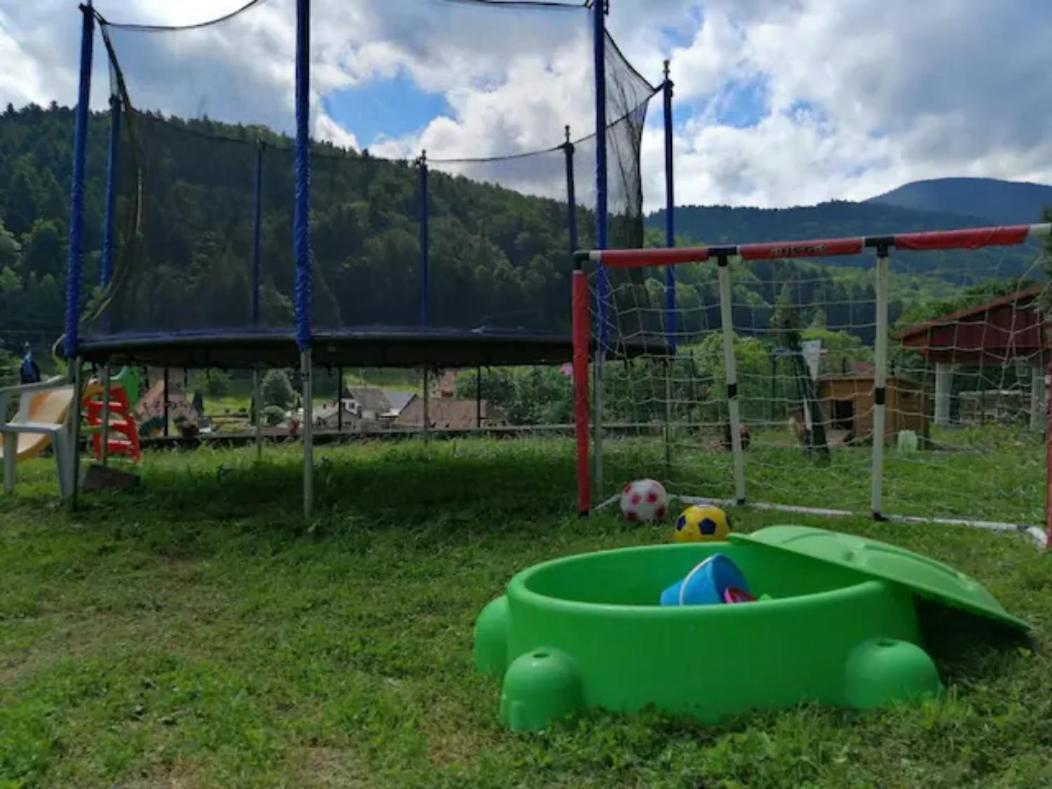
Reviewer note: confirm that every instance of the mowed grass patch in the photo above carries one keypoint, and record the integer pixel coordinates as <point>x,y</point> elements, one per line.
<point>198,632</point>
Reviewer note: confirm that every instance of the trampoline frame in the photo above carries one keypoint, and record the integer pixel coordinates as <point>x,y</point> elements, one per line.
<point>421,346</point>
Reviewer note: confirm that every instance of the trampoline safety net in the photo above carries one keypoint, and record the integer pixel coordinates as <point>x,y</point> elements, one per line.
<point>471,239</point>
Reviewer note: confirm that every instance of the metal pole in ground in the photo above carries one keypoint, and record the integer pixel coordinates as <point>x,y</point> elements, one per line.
<point>427,406</point>
<point>75,415</point>
<point>339,399</point>
<point>166,399</point>
<point>670,272</point>
<point>104,449</point>
<point>730,368</point>
<point>308,433</point>
<point>257,414</point>
<point>880,377</point>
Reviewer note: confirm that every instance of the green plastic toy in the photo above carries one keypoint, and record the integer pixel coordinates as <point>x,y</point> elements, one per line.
<point>836,623</point>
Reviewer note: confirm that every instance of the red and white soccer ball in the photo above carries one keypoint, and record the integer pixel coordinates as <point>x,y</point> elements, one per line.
<point>644,500</point>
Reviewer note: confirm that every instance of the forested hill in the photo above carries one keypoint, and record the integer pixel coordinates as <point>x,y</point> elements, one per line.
<point>724,224</point>
<point>497,258</point>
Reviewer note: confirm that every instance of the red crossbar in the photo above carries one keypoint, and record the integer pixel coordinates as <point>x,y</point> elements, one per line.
<point>973,238</point>
<point>964,239</point>
<point>802,249</point>
<point>641,258</point>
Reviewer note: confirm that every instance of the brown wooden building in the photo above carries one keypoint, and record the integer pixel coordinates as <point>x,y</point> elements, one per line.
<point>1007,330</point>
<point>847,406</point>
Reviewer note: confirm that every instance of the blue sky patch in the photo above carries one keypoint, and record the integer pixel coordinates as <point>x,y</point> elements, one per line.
<point>384,108</point>
<point>741,103</point>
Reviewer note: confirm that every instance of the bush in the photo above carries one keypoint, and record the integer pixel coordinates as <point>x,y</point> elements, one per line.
<point>8,368</point>
<point>273,415</point>
<point>214,383</point>
<point>277,391</point>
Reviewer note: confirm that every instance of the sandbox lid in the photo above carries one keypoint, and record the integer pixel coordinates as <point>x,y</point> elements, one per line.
<point>926,577</point>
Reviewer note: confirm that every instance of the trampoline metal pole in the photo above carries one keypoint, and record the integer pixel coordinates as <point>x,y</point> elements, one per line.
<point>427,405</point>
<point>166,399</point>
<point>106,262</point>
<point>104,448</point>
<point>301,244</point>
<point>76,192</point>
<point>339,399</point>
<point>257,223</point>
<point>571,193</point>
<point>257,414</point>
<point>308,434</point>
<point>425,244</point>
<point>75,415</point>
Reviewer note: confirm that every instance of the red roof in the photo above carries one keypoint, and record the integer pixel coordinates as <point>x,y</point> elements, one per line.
<point>989,333</point>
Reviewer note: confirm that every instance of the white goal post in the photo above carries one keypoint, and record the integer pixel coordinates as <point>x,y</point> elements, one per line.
<point>750,382</point>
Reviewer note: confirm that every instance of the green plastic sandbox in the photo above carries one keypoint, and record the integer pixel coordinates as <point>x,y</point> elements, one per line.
<point>840,628</point>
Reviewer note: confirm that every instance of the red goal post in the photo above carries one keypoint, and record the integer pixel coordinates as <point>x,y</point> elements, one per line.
<point>722,255</point>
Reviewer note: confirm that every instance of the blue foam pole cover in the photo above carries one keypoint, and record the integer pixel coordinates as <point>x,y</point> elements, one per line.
<point>76,192</point>
<point>301,219</point>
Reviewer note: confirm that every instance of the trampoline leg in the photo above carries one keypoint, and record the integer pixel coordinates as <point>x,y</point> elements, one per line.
<point>257,416</point>
<point>74,415</point>
<point>308,435</point>
<point>427,406</point>
<point>104,449</point>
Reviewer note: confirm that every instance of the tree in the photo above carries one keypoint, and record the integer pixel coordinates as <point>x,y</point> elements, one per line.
<point>10,282</point>
<point>214,383</point>
<point>43,249</point>
<point>277,391</point>
<point>9,246</point>
<point>273,415</point>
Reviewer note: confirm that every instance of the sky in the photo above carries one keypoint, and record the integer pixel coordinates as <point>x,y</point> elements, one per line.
<point>777,102</point>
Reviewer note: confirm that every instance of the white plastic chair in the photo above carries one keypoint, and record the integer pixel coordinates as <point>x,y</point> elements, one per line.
<point>42,420</point>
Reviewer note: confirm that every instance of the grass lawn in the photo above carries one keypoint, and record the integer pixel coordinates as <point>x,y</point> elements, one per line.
<point>196,633</point>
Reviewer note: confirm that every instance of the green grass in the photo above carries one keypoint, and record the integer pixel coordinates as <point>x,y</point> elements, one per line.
<point>996,473</point>
<point>196,632</point>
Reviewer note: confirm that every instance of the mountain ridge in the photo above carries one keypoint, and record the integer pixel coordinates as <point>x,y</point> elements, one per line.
<point>884,215</point>
<point>995,200</point>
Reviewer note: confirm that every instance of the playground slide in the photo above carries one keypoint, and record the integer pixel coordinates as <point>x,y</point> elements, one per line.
<point>51,407</point>
<point>123,430</point>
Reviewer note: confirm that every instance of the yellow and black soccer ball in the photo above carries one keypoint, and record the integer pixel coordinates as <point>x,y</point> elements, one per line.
<point>702,524</point>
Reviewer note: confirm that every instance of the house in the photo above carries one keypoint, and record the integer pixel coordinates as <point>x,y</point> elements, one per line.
<point>372,401</point>
<point>448,413</point>
<point>328,416</point>
<point>1008,330</point>
<point>398,401</point>
<point>847,402</point>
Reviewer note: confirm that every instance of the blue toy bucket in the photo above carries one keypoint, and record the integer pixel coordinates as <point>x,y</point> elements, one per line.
<point>706,583</point>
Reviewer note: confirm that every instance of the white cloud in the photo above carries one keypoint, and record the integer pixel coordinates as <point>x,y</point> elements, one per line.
<point>905,90</point>
<point>860,96</point>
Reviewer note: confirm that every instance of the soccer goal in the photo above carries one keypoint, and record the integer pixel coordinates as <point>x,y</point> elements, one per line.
<point>901,376</point>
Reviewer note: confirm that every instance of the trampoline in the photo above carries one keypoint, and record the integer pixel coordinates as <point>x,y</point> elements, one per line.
<point>373,346</point>
<point>233,238</point>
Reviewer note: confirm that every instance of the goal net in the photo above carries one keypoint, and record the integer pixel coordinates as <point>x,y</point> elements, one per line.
<point>902,376</point>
